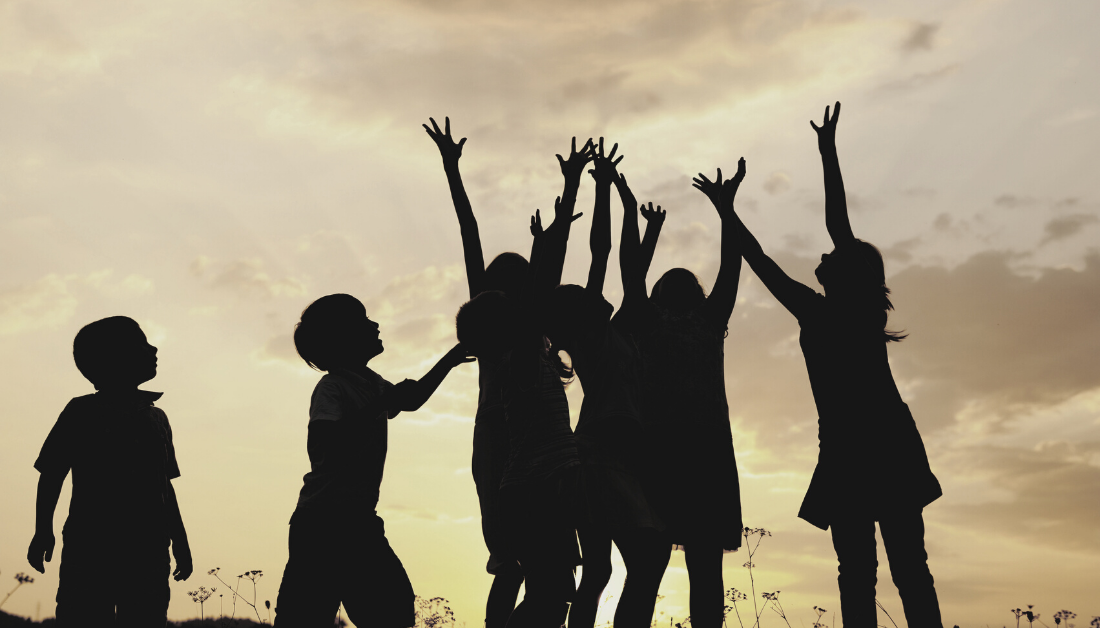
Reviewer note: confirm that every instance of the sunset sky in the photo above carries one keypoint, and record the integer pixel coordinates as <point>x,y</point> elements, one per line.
<point>209,168</point>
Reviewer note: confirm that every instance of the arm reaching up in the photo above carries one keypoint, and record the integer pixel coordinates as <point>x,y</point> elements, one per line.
<point>724,295</point>
<point>551,244</point>
<point>794,296</point>
<point>654,220</point>
<point>599,240</point>
<point>451,151</point>
<point>629,249</point>
<point>836,203</point>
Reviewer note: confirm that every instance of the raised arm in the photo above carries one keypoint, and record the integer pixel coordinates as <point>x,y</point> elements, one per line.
<point>794,296</point>
<point>630,264</point>
<point>599,240</point>
<point>548,253</point>
<point>654,220</point>
<point>451,151</point>
<point>836,203</point>
<point>723,297</point>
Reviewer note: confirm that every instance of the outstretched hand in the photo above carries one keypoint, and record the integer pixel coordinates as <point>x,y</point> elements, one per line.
<point>458,355</point>
<point>624,191</point>
<point>603,168</point>
<point>656,216</point>
<point>536,220</point>
<point>448,148</point>
<point>729,186</point>
<point>826,133</point>
<point>573,167</point>
<point>713,189</point>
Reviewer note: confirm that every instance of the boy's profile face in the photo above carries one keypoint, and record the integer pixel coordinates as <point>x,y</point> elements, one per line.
<point>366,340</point>
<point>135,360</point>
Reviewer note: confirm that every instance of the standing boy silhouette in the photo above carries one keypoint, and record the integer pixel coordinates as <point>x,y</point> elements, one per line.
<point>123,512</point>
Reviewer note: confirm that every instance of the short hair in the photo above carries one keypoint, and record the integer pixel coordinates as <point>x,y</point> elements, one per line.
<point>95,347</point>
<point>320,334</point>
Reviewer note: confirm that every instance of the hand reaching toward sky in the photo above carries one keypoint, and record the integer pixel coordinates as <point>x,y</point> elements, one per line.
<point>656,216</point>
<point>448,148</point>
<point>713,189</point>
<point>603,168</point>
<point>826,133</point>
<point>729,186</point>
<point>573,167</point>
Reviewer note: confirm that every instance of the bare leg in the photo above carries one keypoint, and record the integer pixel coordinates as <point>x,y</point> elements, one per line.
<point>646,556</point>
<point>595,573</point>
<point>502,598</point>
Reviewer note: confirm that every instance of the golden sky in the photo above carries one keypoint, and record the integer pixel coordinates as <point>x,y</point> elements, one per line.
<point>209,168</point>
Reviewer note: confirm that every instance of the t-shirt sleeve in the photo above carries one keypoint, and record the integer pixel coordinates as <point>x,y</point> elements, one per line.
<point>325,404</point>
<point>56,457</point>
<point>171,466</point>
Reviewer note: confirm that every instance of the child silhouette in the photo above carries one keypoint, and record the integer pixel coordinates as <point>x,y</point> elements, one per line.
<point>338,547</point>
<point>123,513</point>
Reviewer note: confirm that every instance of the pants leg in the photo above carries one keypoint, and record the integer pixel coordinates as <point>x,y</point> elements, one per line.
<point>903,536</point>
<point>707,597</point>
<point>308,596</point>
<point>145,603</point>
<point>376,590</point>
<point>854,542</point>
<point>81,600</point>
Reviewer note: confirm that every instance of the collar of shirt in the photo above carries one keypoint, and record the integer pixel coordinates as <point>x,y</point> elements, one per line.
<point>133,398</point>
<point>357,379</point>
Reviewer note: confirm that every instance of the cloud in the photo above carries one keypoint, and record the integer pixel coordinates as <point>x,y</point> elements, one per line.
<point>1043,495</point>
<point>993,341</point>
<point>1065,226</point>
<point>52,300</point>
<point>921,37</point>
<point>46,303</point>
<point>777,183</point>
<point>246,278</point>
<point>1013,201</point>
<point>919,80</point>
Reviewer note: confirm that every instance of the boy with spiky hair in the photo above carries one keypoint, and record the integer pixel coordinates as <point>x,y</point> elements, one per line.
<point>123,514</point>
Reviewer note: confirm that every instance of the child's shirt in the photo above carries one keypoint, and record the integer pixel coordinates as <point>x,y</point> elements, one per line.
<point>119,449</point>
<point>347,471</point>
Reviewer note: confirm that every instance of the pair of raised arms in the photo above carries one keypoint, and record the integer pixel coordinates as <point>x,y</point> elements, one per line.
<point>737,241</point>
<point>547,252</point>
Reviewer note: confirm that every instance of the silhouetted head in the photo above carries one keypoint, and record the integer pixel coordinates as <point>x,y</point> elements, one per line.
<point>486,324</point>
<point>855,275</point>
<point>507,273</point>
<point>570,310</point>
<point>335,333</point>
<point>678,290</point>
<point>113,353</point>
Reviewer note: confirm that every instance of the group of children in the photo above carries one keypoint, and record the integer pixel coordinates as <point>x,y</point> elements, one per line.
<point>649,466</point>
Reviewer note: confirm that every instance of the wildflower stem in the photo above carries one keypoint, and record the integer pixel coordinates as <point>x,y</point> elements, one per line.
<point>887,613</point>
